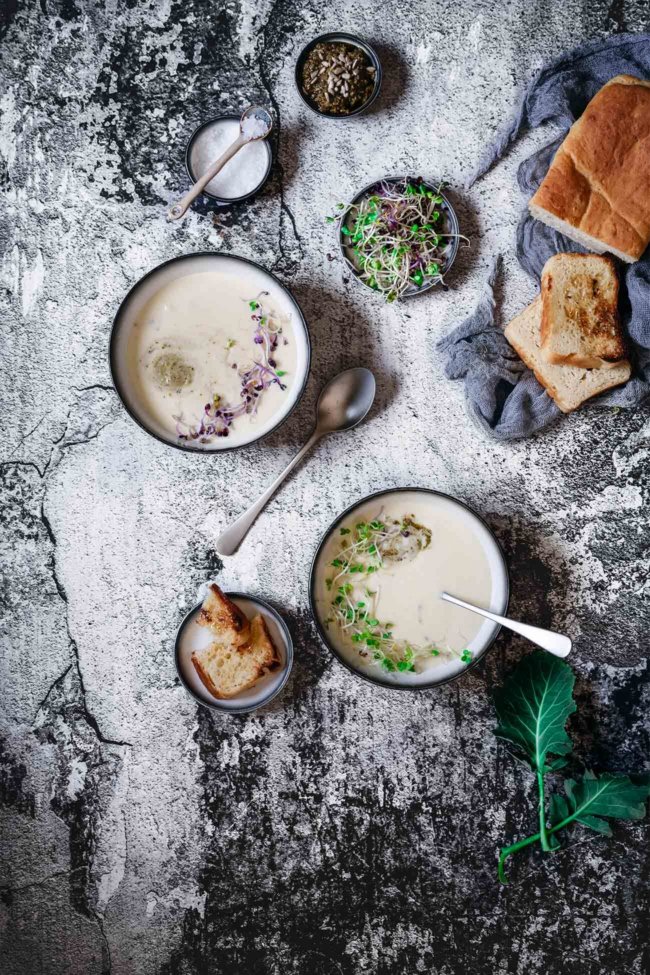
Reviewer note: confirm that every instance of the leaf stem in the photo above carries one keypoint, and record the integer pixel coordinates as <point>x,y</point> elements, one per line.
<point>543,834</point>
<point>508,850</point>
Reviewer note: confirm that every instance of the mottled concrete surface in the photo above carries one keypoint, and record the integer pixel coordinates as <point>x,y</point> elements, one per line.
<point>345,829</point>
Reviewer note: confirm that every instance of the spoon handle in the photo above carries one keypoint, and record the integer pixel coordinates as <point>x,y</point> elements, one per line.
<point>177,210</point>
<point>230,540</point>
<point>555,643</point>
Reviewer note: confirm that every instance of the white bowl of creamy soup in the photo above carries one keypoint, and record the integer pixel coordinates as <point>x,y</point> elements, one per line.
<point>376,581</point>
<point>209,352</point>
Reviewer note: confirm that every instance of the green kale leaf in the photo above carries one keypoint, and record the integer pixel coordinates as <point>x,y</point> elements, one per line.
<point>533,707</point>
<point>591,797</point>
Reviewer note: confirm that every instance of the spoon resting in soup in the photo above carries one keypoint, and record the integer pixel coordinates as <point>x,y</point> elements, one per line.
<point>377,580</point>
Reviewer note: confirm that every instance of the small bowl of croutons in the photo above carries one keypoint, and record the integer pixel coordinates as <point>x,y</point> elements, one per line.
<point>233,652</point>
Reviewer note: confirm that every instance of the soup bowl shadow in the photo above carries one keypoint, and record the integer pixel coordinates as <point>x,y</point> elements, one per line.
<point>541,588</point>
<point>287,142</point>
<point>395,78</point>
<point>310,663</point>
<point>469,226</point>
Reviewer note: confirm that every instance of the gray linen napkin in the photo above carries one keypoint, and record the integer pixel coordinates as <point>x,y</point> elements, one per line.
<point>502,394</point>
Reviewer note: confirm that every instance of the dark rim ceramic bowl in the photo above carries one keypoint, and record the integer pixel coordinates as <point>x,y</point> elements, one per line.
<point>367,676</point>
<point>141,291</point>
<point>453,228</point>
<point>225,200</point>
<point>332,38</point>
<point>230,705</point>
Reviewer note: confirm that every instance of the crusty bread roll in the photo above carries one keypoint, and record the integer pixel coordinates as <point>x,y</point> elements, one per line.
<point>597,190</point>
<point>569,386</point>
<point>580,324</point>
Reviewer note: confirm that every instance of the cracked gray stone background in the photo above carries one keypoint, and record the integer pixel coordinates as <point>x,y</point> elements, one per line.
<point>345,829</point>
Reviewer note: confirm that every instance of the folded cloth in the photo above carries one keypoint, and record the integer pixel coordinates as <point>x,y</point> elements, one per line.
<point>502,394</point>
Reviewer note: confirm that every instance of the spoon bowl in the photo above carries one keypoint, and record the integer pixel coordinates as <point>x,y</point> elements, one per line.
<point>345,400</point>
<point>252,114</point>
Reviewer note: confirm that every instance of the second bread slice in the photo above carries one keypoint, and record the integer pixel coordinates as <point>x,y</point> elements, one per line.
<point>580,325</point>
<point>569,386</point>
<point>223,618</point>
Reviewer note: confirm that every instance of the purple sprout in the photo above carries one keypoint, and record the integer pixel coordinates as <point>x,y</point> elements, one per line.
<point>217,420</point>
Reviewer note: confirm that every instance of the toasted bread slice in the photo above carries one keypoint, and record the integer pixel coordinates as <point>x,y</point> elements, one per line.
<point>226,621</point>
<point>262,644</point>
<point>580,325</point>
<point>228,670</point>
<point>569,386</point>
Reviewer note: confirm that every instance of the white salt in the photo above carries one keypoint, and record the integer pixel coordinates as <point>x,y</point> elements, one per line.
<point>253,127</point>
<point>243,173</point>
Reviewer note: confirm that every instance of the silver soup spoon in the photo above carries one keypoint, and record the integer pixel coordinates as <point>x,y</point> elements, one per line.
<point>343,403</point>
<point>255,123</point>
<point>555,643</point>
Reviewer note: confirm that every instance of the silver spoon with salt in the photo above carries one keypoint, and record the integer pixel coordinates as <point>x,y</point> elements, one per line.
<point>343,403</point>
<point>555,643</point>
<point>256,123</point>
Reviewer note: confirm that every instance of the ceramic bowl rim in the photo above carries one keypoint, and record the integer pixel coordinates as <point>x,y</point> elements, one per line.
<point>226,200</point>
<point>215,705</point>
<point>321,630</point>
<point>448,205</point>
<point>187,447</point>
<point>333,36</point>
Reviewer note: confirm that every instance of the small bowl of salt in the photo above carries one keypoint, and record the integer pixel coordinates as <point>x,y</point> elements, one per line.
<point>244,175</point>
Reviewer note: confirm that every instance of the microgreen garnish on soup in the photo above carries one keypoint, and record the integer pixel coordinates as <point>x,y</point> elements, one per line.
<point>256,378</point>
<point>397,237</point>
<point>362,550</point>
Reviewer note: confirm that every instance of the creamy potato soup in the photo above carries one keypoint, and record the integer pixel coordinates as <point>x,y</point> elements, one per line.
<point>377,583</point>
<point>213,358</point>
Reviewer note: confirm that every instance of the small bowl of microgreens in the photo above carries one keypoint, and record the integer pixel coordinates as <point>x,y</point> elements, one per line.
<point>399,236</point>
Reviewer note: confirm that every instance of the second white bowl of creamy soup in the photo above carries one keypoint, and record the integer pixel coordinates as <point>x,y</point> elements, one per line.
<point>209,352</point>
<point>376,581</point>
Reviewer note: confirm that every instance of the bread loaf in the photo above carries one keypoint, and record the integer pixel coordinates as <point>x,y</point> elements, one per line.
<point>597,190</point>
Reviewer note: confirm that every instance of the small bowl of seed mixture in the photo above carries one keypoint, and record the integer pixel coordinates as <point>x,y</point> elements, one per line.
<point>338,75</point>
